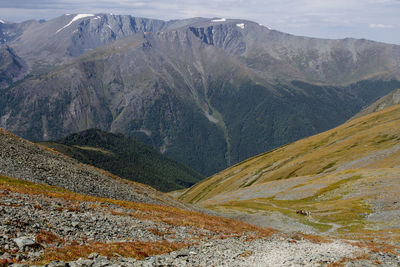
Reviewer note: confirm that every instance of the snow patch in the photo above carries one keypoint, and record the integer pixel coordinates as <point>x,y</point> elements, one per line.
<point>109,27</point>
<point>240,25</point>
<point>211,117</point>
<point>218,20</point>
<point>2,21</point>
<point>264,26</point>
<point>79,16</point>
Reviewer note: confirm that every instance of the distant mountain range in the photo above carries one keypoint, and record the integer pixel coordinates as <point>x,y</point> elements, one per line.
<point>206,92</point>
<point>126,158</point>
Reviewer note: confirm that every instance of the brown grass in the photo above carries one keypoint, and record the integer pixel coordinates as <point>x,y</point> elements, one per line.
<point>74,208</point>
<point>137,250</point>
<point>60,209</point>
<point>313,238</point>
<point>342,261</point>
<point>379,247</point>
<point>157,213</point>
<point>246,254</point>
<point>48,238</point>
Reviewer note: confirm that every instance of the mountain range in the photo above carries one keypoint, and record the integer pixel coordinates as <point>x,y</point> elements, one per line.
<point>207,92</point>
<point>298,134</point>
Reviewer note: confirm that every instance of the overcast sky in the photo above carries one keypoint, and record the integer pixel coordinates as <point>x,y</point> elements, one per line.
<point>371,19</point>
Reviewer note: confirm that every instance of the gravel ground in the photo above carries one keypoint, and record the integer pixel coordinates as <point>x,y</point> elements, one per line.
<point>261,252</point>
<point>273,220</point>
<point>23,216</point>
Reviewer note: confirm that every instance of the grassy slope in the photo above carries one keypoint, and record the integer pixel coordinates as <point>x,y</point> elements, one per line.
<point>317,154</point>
<point>127,158</point>
<point>341,175</point>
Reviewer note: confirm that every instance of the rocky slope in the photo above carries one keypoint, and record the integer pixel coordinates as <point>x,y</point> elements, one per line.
<point>206,92</point>
<point>47,225</point>
<point>346,177</point>
<point>127,158</point>
<point>389,100</point>
<point>11,31</point>
<point>22,159</point>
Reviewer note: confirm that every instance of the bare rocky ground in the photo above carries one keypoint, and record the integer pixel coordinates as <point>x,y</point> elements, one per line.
<point>22,159</point>
<point>26,219</point>
<point>274,220</point>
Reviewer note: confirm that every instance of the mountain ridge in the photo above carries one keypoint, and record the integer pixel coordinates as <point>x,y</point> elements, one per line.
<point>178,88</point>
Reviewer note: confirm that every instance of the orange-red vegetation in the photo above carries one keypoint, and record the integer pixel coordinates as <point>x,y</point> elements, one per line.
<point>48,238</point>
<point>137,249</point>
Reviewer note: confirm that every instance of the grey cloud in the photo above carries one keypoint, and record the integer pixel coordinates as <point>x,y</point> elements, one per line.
<point>380,26</point>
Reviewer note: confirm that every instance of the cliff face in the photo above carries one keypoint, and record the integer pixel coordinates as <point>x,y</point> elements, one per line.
<point>12,67</point>
<point>208,93</point>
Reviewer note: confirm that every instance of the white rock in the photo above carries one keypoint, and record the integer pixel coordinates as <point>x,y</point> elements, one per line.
<point>93,255</point>
<point>24,241</point>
